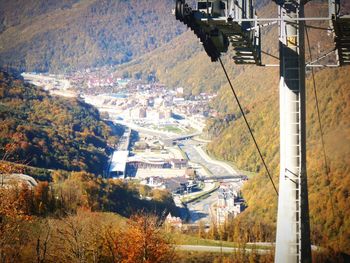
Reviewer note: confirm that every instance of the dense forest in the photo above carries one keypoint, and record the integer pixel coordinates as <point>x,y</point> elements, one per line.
<point>51,132</point>
<point>328,192</point>
<point>63,222</point>
<point>74,34</point>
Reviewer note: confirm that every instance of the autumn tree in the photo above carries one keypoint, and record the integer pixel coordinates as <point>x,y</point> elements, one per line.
<point>144,242</point>
<point>42,198</point>
<point>13,219</point>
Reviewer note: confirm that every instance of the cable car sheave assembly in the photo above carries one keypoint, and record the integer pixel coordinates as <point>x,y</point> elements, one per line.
<point>222,24</point>
<point>341,28</point>
<point>214,25</point>
<point>219,23</point>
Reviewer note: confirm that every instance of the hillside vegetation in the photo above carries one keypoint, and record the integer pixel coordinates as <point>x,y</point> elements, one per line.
<point>233,143</point>
<point>74,34</point>
<point>50,132</point>
<point>83,236</point>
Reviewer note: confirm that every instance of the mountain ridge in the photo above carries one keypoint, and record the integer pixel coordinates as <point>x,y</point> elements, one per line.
<point>85,33</point>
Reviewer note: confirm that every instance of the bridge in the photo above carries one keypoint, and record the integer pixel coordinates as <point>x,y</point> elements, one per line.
<point>226,177</point>
<point>185,137</point>
<point>169,141</point>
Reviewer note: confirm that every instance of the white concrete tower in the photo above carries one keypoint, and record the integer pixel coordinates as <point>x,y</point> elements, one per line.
<point>293,229</point>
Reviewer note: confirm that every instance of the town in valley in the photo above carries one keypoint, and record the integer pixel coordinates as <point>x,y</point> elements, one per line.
<point>161,143</point>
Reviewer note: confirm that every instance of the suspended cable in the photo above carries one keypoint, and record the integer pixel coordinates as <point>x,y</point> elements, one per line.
<point>249,128</point>
<point>321,57</point>
<point>318,27</point>
<point>273,56</point>
<point>326,167</point>
<point>317,108</point>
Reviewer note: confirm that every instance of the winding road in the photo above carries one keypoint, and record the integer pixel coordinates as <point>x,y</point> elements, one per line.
<point>219,249</point>
<point>196,154</point>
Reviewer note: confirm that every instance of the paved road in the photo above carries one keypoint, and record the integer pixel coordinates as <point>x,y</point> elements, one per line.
<point>221,249</point>
<point>265,248</point>
<point>201,210</point>
<point>216,168</point>
<point>208,159</point>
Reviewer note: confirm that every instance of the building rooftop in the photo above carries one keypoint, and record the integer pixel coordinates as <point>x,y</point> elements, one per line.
<point>118,161</point>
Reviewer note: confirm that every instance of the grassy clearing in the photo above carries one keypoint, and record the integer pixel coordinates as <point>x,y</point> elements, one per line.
<point>172,129</point>
<point>183,239</point>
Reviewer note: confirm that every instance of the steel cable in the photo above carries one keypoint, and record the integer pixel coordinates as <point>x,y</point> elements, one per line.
<point>326,167</point>
<point>248,125</point>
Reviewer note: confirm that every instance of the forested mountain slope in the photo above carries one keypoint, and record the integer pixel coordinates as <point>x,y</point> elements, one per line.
<point>326,193</point>
<point>74,34</point>
<point>183,62</point>
<point>50,132</point>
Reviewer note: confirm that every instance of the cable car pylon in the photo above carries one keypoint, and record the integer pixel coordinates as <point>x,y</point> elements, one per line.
<point>222,24</point>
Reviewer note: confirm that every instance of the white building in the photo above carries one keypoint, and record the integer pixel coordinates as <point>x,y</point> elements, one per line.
<point>117,167</point>
<point>229,204</point>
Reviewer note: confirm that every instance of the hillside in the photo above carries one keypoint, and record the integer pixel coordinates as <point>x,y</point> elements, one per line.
<point>234,144</point>
<point>328,194</point>
<point>183,61</point>
<point>74,34</point>
<point>68,35</point>
<point>50,132</point>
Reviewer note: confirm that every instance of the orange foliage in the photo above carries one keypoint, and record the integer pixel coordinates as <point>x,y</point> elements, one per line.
<point>143,242</point>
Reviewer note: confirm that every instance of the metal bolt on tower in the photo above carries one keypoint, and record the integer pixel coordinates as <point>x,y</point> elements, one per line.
<point>293,229</point>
